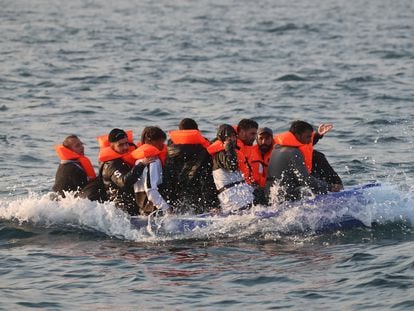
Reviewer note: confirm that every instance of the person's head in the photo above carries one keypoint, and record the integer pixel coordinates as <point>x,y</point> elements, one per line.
<point>118,140</point>
<point>153,135</point>
<point>264,139</point>
<point>302,130</point>
<point>247,131</point>
<point>73,143</point>
<point>188,124</point>
<point>226,132</point>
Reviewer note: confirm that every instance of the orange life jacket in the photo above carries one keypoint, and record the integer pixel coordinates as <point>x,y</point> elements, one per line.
<point>106,153</point>
<point>103,140</point>
<point>67,154</point>
<point>163,155</point>
<point>147,150</point>
<point>215,147</point>
<point>109,154</point>
<point>246,151</point>
<point>288,139</point>
<point>218,146</point>
<point>259,163</point>
<point>187,137</point>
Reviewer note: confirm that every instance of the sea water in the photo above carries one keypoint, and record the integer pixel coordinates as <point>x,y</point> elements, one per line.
<point>85,67</point>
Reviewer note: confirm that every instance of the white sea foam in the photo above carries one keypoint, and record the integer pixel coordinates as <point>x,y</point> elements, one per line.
<point>384,204</point>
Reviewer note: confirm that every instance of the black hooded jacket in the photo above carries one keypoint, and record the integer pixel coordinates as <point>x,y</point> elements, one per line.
<point>119,180</point>
<point>70,176</point>
<point>188,179</point>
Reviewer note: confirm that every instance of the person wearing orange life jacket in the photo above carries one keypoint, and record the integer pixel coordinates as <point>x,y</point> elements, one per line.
<point>246,135</point>
<point>290,165</point>
<point>188,180</point>
<point>261,155</point>
<point>75,170</point>
<point>117,174</point>
<point>146,188</point>
<point>233,191</point>
<point>259,162</point>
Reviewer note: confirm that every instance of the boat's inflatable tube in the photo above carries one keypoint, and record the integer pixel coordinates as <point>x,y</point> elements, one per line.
<point>330,212</point>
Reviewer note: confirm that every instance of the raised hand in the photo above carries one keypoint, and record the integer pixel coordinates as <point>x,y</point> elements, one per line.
<point>324,128</point>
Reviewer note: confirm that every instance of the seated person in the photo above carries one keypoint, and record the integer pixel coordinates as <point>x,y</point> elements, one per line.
<point>246,135</point>
<point>290,165</point>
<point>117,174</point>
<point>233,191</point>
<point>188,179</point>
<point>75,170</point>
<point>259,162</point>
<point>147,196</point>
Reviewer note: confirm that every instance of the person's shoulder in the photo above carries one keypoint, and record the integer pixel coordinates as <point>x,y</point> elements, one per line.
<point>285,151</point>
<point>114,164</point>
<point>70,166</point>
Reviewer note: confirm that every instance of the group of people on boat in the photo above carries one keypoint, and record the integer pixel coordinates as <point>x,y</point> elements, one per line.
<point>190,174</point>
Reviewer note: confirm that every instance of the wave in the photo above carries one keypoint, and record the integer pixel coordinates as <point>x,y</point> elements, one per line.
<point>291,77</point>
<point>41,211</point>
<point>383,206</point>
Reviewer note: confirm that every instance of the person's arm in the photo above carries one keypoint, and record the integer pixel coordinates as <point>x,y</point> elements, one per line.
<point>122,176</point>
<point>322,130</point>
<point>316,138</point>
<point>227,159</point>
<point>151,185</point>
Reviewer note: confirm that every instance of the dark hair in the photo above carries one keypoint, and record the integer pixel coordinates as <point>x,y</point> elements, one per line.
<point>299,127</point>
<point>188,124</point>
<point>152,133</point>
<point>224,131</point>
<point>116,134</point>
<point>246,124</point>
<point>67,139</point>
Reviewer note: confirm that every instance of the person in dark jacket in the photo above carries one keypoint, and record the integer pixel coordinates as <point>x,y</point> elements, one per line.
<point>291,166</point>
<point>234,193</point>
<point>75,170</point>
<point>118,176</point>
<point>188,179</point>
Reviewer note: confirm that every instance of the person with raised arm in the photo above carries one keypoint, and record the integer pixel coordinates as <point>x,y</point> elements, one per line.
<point>291,163</point>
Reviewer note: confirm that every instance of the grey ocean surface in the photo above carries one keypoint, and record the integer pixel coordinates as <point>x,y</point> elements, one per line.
<point>85,67</point>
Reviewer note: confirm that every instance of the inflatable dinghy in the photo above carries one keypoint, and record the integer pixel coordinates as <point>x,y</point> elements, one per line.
<point>324,213</point>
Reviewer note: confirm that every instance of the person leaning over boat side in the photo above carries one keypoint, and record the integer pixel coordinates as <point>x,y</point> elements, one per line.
<point>290,164</point>
<point>118,176</point>
<point>246,135</point>
<point>188,180</point>
<point>75,169</point>
<point>147,196</point>
<point>233,191</point>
